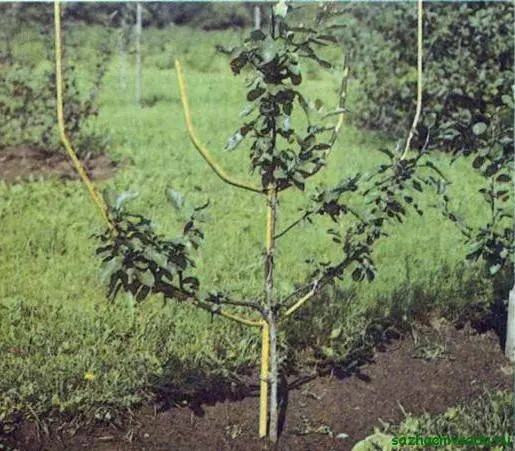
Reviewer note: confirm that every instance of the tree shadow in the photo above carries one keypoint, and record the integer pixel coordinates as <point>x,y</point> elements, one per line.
<point>194,387</point>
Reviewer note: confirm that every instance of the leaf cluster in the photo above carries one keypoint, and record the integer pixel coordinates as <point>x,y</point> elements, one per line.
<point>388,192</point>
<point>139,261</point>
<point>274,61</point>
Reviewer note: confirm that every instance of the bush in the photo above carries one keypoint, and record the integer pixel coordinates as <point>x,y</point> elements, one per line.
<point>27,103</point>
<point>468,68</point>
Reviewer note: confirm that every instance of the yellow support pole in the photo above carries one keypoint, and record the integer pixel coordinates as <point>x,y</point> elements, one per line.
<point>299,303</point>
<point>60,120</point>
<point>263,394</point>
<point>241,320</point>
<point>202,150</point>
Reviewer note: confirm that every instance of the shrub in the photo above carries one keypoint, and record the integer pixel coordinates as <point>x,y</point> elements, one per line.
<point>27,102</point>
<point>468,67</point>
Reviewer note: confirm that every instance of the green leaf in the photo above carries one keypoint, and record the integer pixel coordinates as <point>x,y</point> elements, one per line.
<point>270,50</point>
<point>239,62</point>
<point>478,162</point>
<point>507,100</point>
<point>430,120</point>
<point>281,9</point>
<point>491,169</point>
<point>318,104</point>
<point>142,293</point>
<point>279,173</point>
<point>123,197</point>
<point>328,37</point>
<point>294,73</point>
<point>370,274</point>
<point>328,352</point>
<point>248,109</point>
<point>147,278</point>
<point>386,152</point>
<point>257,35</point>
<point>357,275</point>
<point>298,180</point>
<point>495,268</point>
<point>296,79</point>
<point>504,178</point>
<point>110,267</point>
<point>335,333</point>
<point>109,196</point>
<point>255,93</point>
<point>176,198</point>
<point>479,128</point>
<point>474,247</point>
<point>156,257</point>
<point>417,185</point>
<point>322,146</point>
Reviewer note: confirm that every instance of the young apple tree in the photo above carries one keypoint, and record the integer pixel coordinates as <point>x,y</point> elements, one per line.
<point>284,157</point>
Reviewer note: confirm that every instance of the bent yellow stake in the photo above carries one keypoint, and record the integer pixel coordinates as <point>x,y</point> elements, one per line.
<point>99,201</point>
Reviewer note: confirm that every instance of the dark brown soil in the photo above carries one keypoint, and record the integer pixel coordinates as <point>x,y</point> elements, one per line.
<point>18,163</point>
<point>466,364</point>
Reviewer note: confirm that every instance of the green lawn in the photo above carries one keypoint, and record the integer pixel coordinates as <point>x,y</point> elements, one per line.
<point>54,309</point>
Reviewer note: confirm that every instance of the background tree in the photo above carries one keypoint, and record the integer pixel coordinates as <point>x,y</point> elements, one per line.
<point>27,95</point>
<point>467,110</point>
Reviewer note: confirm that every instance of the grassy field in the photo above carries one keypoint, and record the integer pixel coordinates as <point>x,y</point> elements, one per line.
<point>56,323</point>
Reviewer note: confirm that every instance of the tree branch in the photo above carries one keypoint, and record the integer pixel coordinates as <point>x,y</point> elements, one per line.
<point>316,286</point>
<point>292,225</point>
<point>239,319</point>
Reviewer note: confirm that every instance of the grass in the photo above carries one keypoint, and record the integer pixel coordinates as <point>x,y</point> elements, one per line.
<point>56,323</point>
<point>487,416</point>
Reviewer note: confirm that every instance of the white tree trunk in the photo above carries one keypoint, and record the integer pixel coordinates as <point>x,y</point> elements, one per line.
<point>509,349</point>
<point>138,54</point>
<point>123,64</point>
<point>257,17</point>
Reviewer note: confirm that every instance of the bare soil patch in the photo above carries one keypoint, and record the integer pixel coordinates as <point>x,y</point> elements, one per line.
<point>352,404</point>
<point>20,163</point>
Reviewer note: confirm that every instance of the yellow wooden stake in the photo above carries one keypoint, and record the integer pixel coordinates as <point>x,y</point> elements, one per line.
<point>263,393</point>
<point>196,142</point>
<point>99,201</point>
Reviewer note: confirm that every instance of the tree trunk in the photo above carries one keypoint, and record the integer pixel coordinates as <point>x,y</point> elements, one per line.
<point>270,315</point>
<point>509,349</point>
<point>138,54</point>
<point>257,17</point>
<point>274,377</point>
<point>123,61</point>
